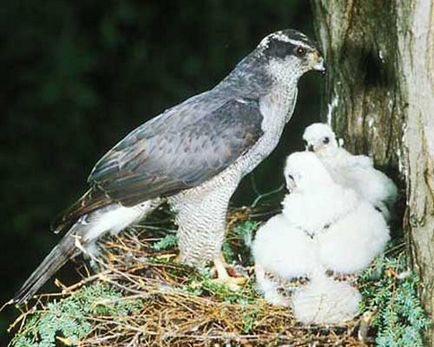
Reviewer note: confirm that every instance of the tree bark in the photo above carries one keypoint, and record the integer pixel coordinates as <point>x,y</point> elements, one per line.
<point>380,99</point>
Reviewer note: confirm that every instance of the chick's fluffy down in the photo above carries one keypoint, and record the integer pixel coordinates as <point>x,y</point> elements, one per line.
<point>325,301</point>
<point>369,183</point>
<point>283,250</point>
<point>352,242</point>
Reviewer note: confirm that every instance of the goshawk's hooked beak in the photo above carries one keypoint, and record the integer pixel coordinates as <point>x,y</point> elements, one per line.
<point>320,66</point>
<point>317,62</point>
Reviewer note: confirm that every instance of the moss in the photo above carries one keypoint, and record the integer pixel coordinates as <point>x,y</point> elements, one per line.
<point>389,291</point>
<point>73,318</point>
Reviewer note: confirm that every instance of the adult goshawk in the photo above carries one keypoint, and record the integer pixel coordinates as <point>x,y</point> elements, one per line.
<point>192,155</point>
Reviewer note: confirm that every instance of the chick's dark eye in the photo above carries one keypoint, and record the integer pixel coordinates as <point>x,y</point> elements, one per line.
<point>291,177</point>
<point>300,51</point>
<point>326,140</point>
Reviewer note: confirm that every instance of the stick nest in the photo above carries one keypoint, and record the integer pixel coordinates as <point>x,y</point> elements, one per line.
<point>143,297</point>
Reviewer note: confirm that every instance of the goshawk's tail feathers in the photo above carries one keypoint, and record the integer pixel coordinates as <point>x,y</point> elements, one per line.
<point>89,228</point>
<point>60,254</point>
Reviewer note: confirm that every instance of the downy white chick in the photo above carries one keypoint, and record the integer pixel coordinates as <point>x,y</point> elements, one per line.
<point>282,253</point>
<point>325,301</point>
<point>323,226</point>
<point>283,246</point>
<point>348,231</point>
<point>354,171</point>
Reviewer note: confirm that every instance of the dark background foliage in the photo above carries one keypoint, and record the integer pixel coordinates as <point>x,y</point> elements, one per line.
<point>77,76</point>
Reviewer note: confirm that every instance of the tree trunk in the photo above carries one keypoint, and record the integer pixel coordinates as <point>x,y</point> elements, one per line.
<point>380,99</point>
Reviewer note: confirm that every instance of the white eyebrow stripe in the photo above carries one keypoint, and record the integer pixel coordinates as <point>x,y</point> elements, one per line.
<point>298,43</point>
<point>280,36</point>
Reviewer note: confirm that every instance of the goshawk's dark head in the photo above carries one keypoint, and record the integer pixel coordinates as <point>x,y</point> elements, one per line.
<point>282,57</point>
<point>290,50</point>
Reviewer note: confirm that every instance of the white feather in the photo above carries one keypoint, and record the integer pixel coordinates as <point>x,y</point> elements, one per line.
<point>114,219</point>
<point>111,219</point>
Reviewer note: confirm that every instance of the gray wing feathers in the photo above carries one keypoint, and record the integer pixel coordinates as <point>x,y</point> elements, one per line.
<point>185,152</point>
<point>175,151</point>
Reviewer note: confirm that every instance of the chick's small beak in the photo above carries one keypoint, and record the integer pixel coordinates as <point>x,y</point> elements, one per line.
<point>290,186</point>
<point>310,148</point>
